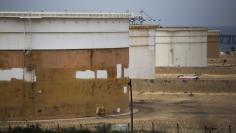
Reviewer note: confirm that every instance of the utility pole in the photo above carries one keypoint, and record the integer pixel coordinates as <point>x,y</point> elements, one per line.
<point>131,107</point>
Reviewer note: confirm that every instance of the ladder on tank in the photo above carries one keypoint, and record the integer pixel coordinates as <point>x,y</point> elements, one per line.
<point>28,69</point>
<point>28,48</point>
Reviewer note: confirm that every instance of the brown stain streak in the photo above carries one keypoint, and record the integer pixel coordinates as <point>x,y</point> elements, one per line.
<point>63,96</point>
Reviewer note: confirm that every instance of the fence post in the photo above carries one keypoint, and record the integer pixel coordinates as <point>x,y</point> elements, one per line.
<point>153,128</point>
<point>128,128</point>
<point>9,128</point>
<point>205,129</point>
<point>104,128</point>
<point>80,126</point>
<point>58,127</point>
<point>230,129</point>
<point>177,127</point>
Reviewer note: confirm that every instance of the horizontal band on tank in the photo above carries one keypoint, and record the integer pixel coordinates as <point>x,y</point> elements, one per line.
<point>171,43</point>
<point>66,50</point>
<point>142,45</point>
<point>182,29</point>
<point>37,15</point>
<point>173,36</point>
<point>213,32</point>
<point>146,26</point>
<point>141,36</point>
<point>62,25</point>
<point>64,32</point>
<point>63,41</point>
<point>58,49</point>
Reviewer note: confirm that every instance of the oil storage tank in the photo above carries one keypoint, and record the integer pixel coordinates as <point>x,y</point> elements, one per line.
<point>142,51</point>
<point>213,44</point>
<point>62,65</point>
<point>181,47</point>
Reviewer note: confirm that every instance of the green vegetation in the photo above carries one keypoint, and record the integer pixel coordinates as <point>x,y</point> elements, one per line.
<point>36,129</point>
<point>99,129</point>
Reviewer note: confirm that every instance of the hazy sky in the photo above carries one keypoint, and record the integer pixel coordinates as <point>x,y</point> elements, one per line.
<point>171,12</point>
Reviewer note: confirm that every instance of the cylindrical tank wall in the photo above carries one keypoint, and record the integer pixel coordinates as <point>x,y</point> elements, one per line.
<point>142,52</point>
<point>181,47</point>
<point>58,92</point>
<point>213,44</point>
<point>68,33</point>
<point>62,67</point>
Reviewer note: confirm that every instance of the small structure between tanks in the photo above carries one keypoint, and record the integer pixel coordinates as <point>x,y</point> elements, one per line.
<point>213,44</point>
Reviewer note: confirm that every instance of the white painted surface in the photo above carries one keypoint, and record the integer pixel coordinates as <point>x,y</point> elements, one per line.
<point>65,41</point>
<point>18,73</point>
<point>181,48</point>
<point>222,53</point>
<point>87,74</point>
<point>51,33</point>
<point>125,89</point>
<point>39,92</point>
<point>118,110</point>
<point>118,71</point>
<point>7,75</point>
<point>126,72</point>
<point>64,25</point>
<point>213,32</point>
<point>29,76</point>
<point>102,74</point>
<point>142,53</point>
<point>142,62</point>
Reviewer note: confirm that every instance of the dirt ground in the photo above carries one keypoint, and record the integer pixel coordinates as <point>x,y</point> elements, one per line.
<point>183,106</point>
<point>172,107</point>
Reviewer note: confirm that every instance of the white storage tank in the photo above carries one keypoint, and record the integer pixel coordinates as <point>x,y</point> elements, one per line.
<point>181,47</point>
<point>142,51</point>
<point>63,65</point>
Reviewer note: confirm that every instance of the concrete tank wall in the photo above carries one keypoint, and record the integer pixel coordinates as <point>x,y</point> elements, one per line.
<point>65,78</point>
<point>63,33</point>
<point>213,44</point>
<point>142,51</point>
<point>181,47</point>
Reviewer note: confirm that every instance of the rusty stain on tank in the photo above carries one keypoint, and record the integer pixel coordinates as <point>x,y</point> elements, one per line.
<point>62,95</point>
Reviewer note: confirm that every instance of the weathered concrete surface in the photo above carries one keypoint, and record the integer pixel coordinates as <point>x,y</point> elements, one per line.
<point>178,85</point>
<point>181,47</point>
<point>197,70</point>
<point>223,60</point>
<point>142,51</point>
<point>57,93</point>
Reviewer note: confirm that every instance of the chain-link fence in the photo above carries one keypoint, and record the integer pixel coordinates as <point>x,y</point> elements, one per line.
<point>185,127</point>
<point>155,126</point>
